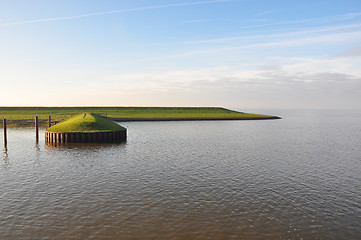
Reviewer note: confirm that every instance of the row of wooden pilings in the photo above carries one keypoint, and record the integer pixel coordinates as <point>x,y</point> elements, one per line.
<point>36,129</point>
<point>86,137</point>
<point>90,137</point>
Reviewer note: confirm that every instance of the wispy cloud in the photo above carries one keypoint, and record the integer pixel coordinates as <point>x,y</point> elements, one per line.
<point>264,13</point>
<point>113,12</point>
<point>292,33</point>
<point>291,42</point>
<point>195,21</point>
<point>310,20</point>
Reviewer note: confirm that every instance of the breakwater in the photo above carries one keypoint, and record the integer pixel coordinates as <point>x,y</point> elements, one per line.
<point>192,119</point>
<point>86,137</point>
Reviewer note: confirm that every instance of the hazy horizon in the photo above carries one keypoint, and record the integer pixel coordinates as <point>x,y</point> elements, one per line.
<point>236,54</point>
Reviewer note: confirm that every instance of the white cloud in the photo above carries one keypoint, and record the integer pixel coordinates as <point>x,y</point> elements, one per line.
<point>301,83</point>
<point>353,52</point>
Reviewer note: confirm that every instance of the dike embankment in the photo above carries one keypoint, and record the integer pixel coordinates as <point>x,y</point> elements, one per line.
<point>191,119</point>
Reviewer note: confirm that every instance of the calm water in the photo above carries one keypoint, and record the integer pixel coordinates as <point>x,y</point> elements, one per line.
<point>294,178</point>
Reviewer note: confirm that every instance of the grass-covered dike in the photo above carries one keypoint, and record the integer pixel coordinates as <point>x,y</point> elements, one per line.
<point>86,122</point>
<point>25,115</point>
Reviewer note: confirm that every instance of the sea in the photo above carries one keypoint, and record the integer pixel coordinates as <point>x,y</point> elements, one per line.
<point>298,177</point>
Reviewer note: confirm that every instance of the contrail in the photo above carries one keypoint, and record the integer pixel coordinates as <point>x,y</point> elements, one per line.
<point>113,12</point>
<point>302,31</point>
<point>323,19</point>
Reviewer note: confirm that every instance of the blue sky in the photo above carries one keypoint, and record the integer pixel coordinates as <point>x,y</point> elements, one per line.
<point>243,54</point>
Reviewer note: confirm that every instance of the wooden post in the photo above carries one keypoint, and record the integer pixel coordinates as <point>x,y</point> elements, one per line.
<point>49,121</point>
<point>36,129</point>
<point>5,138</point>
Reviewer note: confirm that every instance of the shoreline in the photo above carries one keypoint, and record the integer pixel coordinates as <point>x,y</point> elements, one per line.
<point>44,122</point>
<point>192,119</point>
<point>24,116</point>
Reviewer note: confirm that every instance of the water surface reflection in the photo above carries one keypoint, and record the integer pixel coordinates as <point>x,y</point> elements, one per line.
<point>298,177</point>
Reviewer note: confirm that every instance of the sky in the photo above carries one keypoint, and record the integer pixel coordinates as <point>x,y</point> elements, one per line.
<point>239,54</point>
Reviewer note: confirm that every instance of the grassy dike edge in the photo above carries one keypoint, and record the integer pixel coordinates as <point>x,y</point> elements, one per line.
<point>24,116</point>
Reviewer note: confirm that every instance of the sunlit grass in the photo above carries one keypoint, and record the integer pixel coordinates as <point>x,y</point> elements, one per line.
<point>86,123</point>
<point>126,113</point>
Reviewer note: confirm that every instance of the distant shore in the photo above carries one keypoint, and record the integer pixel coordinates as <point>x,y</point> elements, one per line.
<point>24,116</point>
<point>191,119</point>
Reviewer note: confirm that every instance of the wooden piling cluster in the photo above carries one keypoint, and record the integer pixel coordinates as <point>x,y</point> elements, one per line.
<point>36,130</point>
<point>5,137</point>
<point>86,137</point>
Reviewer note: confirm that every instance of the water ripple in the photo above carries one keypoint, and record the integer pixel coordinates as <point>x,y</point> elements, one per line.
<point>297,178</point>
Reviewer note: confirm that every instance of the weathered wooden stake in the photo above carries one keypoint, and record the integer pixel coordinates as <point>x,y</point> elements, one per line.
<point>37,129</point>
<point>49,121</point>
<point>5,138</point>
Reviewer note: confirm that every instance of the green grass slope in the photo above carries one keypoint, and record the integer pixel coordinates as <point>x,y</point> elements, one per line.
<point>129,113</point>
<point>86,123</point>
